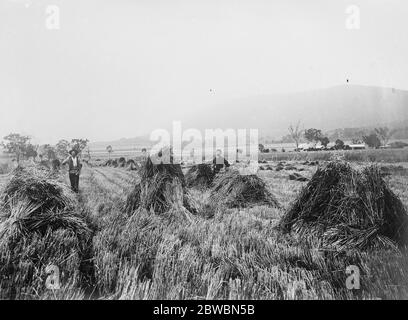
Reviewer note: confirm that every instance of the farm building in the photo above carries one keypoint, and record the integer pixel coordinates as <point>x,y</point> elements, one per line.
<point>360,146</point>
<point>310,146</point>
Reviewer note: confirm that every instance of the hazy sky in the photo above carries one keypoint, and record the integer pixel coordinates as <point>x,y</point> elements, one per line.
<point>119,68</point>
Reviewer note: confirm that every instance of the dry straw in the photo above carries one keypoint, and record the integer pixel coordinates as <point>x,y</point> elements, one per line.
<point>235,190</point>
<point>162,190</point>
<point>200,176</point>
<point>40,225</point>
<point>349,208</point>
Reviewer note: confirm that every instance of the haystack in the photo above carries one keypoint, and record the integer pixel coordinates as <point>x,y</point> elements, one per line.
<point>348,208</point>
<point>131,165</point>
<point>122,162</point>
<point>162,190</point>
<point>200,176</point>
<point>40,225</point>
<point>49,203</point>
<point>235,190</point>
<point>40,187</point>
<point>297,177</point>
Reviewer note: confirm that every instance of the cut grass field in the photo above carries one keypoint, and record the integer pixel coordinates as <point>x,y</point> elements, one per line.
<point>368,155</point>
<point>234,254</point>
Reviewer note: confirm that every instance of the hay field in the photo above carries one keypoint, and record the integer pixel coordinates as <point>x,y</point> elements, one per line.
<point>232,254</point>
<point>373,155</point>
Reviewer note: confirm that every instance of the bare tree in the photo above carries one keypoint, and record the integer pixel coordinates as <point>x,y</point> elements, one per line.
<point>295,133</point>
<point>384,134</point>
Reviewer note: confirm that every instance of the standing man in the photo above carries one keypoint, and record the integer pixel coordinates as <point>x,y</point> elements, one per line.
<point>144,155</point>
<point>74,169</point>
<point>219,162</point>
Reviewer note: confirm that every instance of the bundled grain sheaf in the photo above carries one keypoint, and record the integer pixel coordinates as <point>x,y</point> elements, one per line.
<point>349,208</point>
<point>235,190</point>
<point>122,162</point>
<point>41,187</point>
<point>131,165</point>
<point>149,169</point>
<point>111,163</point>
<point>50,202</point>
<point>40,226</point>
<point>162,189</point>
<point>200,176</point>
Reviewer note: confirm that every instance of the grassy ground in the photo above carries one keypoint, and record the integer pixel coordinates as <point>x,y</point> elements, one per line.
<point>371,155</point>
<point>368,155</point>
<point>236,254</point>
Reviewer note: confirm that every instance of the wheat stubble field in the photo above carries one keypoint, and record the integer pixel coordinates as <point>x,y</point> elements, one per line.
<point>227,253</point>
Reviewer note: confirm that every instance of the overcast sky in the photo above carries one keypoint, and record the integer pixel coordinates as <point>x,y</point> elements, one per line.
<point>120,68</point>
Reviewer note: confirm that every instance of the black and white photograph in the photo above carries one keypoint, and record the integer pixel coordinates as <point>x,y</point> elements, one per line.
<point>190,151</point>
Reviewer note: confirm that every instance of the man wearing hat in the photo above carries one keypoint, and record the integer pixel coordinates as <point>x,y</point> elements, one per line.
<point>74,169</point>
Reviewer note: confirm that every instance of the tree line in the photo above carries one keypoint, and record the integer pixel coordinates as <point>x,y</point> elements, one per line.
<point>375,139</point>
<point>20,147</point>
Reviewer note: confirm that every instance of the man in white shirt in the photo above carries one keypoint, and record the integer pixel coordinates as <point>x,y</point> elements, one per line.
<point>74,169</point>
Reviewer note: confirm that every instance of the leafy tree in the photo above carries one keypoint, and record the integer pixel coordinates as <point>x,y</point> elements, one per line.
<point>31,151</point>
<point>16,144</point>
<point>295,134</point>
<point>62,148</point>
<point>79,144</point>
<point>372,140</point>
<point>48,151</point>
<point>109,149</point>
<point>324,141</point>
<point>313,135</point>
<point>339,144</point>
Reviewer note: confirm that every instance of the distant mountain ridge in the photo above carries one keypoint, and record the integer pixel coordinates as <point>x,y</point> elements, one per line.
<point>124,143</point>
<point>348,106</point>
<point>327,109</point>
